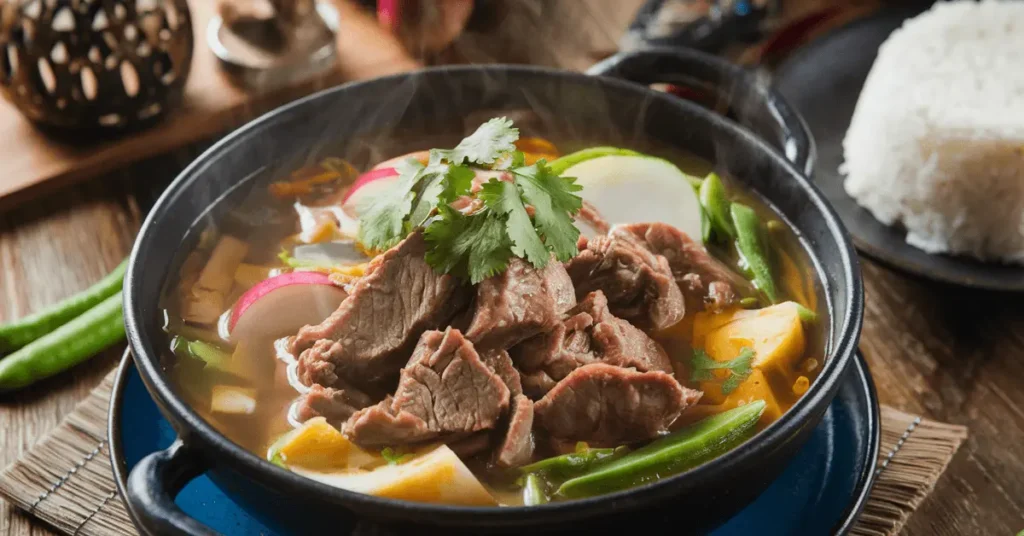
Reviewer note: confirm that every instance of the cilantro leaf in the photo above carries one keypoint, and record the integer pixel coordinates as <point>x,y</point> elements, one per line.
<point>457,182</point>
<point>702,367</point>
<point>394,457</point>
<point>493,139</point>
<point>473,246</point>
<point>382,224</point>
<point>504,198</point>
<point>427,200</point>
<point>555,204</point>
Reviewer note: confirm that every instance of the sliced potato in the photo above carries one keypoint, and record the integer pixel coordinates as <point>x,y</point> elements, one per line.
<point>438,477</point>
<point>755,387</point>
<point>319,446</point>
<point>206,299</point>
<point>775,333</point>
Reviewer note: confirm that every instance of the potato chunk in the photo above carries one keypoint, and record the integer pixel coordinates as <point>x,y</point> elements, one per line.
<point>319,446</point>
<point>438,476</point>
<point>775,333</point>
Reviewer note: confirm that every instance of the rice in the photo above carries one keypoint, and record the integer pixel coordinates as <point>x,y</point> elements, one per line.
<point>937,139</point>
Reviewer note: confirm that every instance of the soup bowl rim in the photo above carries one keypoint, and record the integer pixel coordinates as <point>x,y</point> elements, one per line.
<point>197,433</point>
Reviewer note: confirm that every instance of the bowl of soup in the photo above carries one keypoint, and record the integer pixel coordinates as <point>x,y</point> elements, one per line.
<point>493,298</point>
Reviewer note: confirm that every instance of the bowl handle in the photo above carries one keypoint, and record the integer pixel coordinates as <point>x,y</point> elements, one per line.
<point>152,486</point>
<point>721,86</point>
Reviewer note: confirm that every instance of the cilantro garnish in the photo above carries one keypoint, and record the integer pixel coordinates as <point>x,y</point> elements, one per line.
<point>528,215</point>
<point>701,367</point>
<point>394,457</point>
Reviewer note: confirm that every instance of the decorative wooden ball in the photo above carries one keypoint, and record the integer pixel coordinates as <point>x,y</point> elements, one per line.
<point>88,64</point>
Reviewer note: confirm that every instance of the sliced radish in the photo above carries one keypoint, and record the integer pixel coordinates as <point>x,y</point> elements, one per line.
<point>281,305</point>
<point>638,189</point>
<point>420,156</point>
<point>369,178</point>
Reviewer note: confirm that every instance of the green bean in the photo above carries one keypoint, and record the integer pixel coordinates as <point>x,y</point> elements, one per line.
<point>715,201</point>
<point>212,356</point>
<point>533,491</point>
<point>70,344</point>
<point>572,464</point>
<point>21,332</point>
<point>805,314</point>
<point>751,244</point>
<point>749,302</point>
<point>674,453</point>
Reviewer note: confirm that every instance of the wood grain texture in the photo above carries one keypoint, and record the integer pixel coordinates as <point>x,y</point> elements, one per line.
<point>35,163</point>
<point>949,354</point>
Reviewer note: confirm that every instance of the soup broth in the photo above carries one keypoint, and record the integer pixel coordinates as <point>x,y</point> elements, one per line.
<point>247,389</point>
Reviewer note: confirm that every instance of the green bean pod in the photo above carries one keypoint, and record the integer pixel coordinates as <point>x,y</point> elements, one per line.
<point>70,344</point>
<point>533,491</point>
<point>715,201</point>
<point>572,464</point>
<point>674,453</point>
<point>16,334</point>
<point>750,242</point>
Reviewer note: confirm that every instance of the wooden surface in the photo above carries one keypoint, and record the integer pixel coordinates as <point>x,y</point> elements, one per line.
<point>34,164</point>
<point>949,354</point>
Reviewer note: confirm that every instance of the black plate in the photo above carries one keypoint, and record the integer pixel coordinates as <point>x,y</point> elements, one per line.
<point>822,82</point>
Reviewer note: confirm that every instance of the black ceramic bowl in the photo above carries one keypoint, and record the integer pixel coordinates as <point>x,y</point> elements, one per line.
<point>567,107</point>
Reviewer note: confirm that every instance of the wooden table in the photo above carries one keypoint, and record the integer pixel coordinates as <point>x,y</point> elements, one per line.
<point>950,354</point>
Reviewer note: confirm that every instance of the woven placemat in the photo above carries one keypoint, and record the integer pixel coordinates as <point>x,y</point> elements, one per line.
<point>66,480</point>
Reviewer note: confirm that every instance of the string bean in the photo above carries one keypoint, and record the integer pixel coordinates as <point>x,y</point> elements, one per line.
<point>750,242</point>
<point>715,202</point>
<point>533,491</point>
<point>70,344</point>
<point>572,464</point>
<point>676,452</point>
<point>21,332</point>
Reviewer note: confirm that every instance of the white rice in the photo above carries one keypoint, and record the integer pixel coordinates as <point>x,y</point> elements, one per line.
<point>937,139</point>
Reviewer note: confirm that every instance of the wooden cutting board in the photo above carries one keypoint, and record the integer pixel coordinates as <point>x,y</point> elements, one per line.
<point>34,163</point>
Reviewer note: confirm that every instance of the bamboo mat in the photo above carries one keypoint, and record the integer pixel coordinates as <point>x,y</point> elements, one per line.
<point>66,479</point>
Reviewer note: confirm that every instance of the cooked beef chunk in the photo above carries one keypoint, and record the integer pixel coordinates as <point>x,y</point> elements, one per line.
<point>370,336</point>
<point>699,273</point>
<point>590,334</point>
<point>639,284</point>
<point>516,447</point>
<point>335,405</point>
<point>608,405</point>
<point>519,303</point>
<point>471,445</point>
<point>444,390</point>
<point>501,364</point>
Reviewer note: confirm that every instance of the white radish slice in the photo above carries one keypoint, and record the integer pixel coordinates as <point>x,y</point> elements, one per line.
<point>638,189</point>
<point>279,306</point>
<point>438,477</point>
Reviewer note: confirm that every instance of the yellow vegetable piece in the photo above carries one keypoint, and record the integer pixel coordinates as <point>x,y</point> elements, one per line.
<point>755,387</point>
<point>801,385</point>
<point>320,446</point>
<point>705,322</point>
<point>774,333</point>
<point>323,232</point>
<point>438,477</point>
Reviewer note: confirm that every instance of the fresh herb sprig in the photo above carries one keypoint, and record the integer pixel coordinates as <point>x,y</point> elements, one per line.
<point>702,368</point>
<point>529,215</point>
<point>395,457</point>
